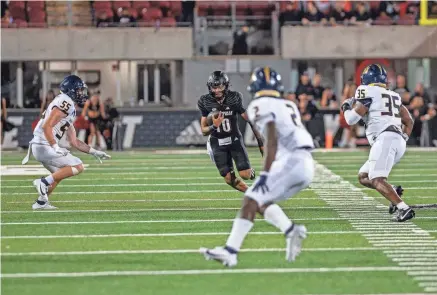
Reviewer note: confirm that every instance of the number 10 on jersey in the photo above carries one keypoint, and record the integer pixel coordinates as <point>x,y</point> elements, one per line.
<point>226,125</point>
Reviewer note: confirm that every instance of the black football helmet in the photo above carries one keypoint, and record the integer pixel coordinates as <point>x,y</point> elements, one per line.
<point>75,88</point>
<point>218,84</point>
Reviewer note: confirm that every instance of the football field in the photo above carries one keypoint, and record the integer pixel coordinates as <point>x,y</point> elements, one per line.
<point>134,224</point>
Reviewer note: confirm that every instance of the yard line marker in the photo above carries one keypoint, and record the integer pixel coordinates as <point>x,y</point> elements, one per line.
<point>426,278</point>
<point>207,272</point>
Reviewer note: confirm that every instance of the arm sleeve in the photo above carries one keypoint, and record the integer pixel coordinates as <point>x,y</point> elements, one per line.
<point>240,108</point>
<point>202,108</point>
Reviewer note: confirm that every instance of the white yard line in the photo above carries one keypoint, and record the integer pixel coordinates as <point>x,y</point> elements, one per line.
<point>186,191</point>
<point>176,251</point>
<point>94,179</point>
<point>174,184</point>
<point>188,251</point>
<point>404,238</point>
<point>210,272</point>
<point>384,226</point>
<point>184,234</point>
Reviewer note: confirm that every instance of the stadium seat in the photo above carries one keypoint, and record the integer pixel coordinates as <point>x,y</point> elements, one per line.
<point>407,20</point>
<point>36,4</point>
<point>21,23</point>
<point>17,4</point>
<point>17,12</point>
<point>118,4</point>
<point>37,16</point>
<point>109,12</point>
<point>102,5</point>
<point>164,4</point>
<point>168,22</point>
<point>383,20</point>
<point>139,5</point>
<point>176,7</point>
<point>151,13</point>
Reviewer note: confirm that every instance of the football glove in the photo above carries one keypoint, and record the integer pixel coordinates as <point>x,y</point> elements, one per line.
<point>347,104</point>
<point>99,155</point>
<point>261,183</point>
<point>59,150</point>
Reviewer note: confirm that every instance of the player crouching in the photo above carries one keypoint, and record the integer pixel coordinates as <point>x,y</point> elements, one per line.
<point>55,121</point>
<point>288,168</point>
<point>383,113</point>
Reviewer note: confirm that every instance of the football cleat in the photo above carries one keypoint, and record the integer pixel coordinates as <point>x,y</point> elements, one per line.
<point>294,241</point>
<point>220,254</point>
<point>45,206</point>
<point>399,190</point>
<point>42,189</point>
<point>404,215</point>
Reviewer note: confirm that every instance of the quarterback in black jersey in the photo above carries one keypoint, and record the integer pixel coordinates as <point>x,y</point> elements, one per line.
<point>225,142</point>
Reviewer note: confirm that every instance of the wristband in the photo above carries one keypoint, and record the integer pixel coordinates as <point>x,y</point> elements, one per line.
<point>212,128</point>
<point>264,173</point>
<point>55,146</point>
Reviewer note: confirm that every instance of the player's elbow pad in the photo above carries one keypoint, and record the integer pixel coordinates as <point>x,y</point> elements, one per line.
<point>352,117</point>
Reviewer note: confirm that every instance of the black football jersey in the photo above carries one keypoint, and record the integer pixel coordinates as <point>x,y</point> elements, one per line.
<point>231,107</point>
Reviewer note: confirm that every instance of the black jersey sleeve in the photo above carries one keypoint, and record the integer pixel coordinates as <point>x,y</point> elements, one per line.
<point>239,104</point>
<point>202,108</point>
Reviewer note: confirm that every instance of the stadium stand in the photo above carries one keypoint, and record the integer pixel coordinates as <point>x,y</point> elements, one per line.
<point>86,13</point>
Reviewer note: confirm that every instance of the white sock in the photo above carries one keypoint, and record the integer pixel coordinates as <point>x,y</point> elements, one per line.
<point>276,217</point>
<point>240,229</point>
<point>402,206</point>
<point>50,179</point>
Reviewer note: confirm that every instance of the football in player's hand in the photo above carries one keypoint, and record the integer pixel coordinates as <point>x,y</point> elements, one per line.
<point>209,117</point>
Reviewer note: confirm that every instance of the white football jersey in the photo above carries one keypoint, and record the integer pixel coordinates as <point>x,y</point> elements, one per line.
<point>384,110</point>
<point>290,130</point>
<point>66,105</point>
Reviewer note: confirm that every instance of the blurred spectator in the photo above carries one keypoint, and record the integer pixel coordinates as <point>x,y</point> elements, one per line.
<point>338,14</point>
<point>317,88</point>
<point>402,89</point>
<point>7,17</point>
<point>432,8</point>
<point>307,108</point>
<point>329,100</point>
<point>291,96</point>
<point>389,8</point>
<point>323,6</point>
<point>240,46</point>
<point>421,110</point>
<point>103,20</point>
<point>401,85</point>
<point>108,123</point>
<point>46,101</point>
<point>291,14</point>
<point>361,16</point>
<point>95,112</point>
<point>313,15</point>
<point>188,11</point>
<point>125,17</point>
<point>349,132</point>
<point>304,86</point>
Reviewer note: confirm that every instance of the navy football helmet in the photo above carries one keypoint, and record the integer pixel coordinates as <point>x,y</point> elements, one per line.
<point>75,88</point>
<point>265,79</point>
<point>374,74</point>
